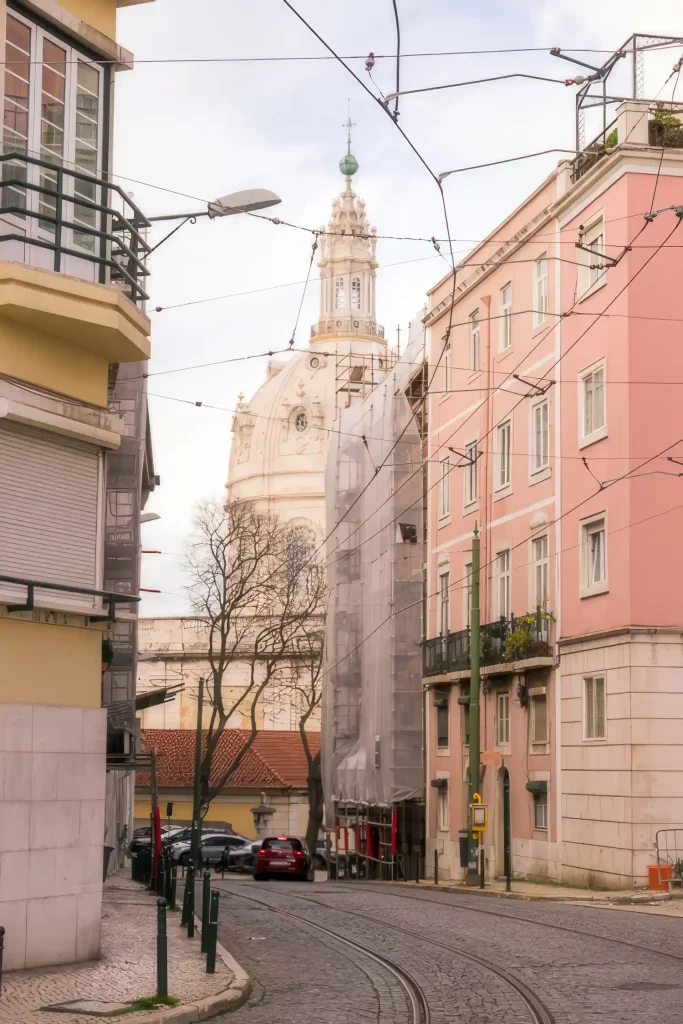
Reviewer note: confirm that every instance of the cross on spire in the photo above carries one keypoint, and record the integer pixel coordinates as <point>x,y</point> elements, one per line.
<point>349,124</point>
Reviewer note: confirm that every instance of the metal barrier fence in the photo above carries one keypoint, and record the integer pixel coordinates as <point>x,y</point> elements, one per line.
<point>669,849</point>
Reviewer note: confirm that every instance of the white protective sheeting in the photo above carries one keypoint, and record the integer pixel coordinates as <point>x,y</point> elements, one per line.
<point>372,687</point>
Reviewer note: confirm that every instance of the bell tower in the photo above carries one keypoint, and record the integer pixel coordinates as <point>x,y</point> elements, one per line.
<point>347,263</point>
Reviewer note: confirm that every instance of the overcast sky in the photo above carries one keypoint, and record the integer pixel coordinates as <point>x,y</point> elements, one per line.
<point>204,128</point>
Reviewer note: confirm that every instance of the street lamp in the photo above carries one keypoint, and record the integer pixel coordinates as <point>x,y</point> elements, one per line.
<point>247,201</point>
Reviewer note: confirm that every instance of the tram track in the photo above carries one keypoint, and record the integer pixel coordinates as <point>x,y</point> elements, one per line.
<point>415,995</point>
<point>538,1011</point>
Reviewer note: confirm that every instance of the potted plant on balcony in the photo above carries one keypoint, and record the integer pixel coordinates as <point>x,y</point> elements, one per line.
<point>665,129</point>
<point>525,638</point>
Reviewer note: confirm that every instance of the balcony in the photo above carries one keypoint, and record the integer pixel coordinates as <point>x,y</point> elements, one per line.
<point>347,325</point>
<point>504,644</point>
<point>56,218</point>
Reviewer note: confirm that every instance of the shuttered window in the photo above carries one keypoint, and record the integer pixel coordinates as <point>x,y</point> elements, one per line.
<point>48,507</point>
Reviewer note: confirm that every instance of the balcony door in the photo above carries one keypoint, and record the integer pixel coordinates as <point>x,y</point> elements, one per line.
<point>53,112</point>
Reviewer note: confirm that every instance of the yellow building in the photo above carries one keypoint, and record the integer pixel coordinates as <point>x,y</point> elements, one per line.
<point>72,293</point>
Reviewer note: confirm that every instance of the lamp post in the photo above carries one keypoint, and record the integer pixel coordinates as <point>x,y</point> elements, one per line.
<point>248,201</point>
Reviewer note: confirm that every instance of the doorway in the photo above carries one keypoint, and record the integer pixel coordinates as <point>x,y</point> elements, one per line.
<point>503,824</point>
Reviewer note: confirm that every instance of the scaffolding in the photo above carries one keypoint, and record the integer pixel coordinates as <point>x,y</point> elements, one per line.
<point>357,374</point>
<point>372,697</point>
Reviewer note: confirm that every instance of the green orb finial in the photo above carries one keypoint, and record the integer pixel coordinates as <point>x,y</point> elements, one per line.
<point>348,165</point>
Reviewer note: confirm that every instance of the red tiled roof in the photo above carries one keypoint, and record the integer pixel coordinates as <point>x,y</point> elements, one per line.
<point>275,760</point>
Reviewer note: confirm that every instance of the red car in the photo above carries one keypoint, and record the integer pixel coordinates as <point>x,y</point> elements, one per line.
<point>283,856</point>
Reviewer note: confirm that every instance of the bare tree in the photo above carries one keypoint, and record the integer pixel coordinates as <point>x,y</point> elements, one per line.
<point>253,579</point>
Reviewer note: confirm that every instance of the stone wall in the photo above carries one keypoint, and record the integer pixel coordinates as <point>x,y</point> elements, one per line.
<point>52,795</point>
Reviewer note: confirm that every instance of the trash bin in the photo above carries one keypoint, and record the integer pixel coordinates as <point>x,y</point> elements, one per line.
<point>464,842</point>
<point>141,865</point>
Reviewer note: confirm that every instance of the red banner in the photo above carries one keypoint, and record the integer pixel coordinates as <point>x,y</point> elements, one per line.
<point>394,832</point>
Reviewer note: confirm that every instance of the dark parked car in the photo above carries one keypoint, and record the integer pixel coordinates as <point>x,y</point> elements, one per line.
<point>211,849</point>
<point>240,858</point>
<point>283,856</point>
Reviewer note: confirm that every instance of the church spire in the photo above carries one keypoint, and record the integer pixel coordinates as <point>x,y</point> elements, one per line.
<point>347,261</point>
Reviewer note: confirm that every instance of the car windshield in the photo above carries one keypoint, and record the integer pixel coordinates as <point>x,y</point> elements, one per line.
<point>282,844</point>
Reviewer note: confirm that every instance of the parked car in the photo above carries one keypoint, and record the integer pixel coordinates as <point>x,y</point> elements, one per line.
<point>283,856</point>
<point>142,838</point>
<point>212,848</point>
<point>183,834</point>
<point>239,858</point>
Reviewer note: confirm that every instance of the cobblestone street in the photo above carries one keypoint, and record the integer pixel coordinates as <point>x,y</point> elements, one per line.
<point>476,960</point>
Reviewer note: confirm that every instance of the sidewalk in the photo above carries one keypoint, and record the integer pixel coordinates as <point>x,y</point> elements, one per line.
<point>106,988</point>
<point>640,900</point>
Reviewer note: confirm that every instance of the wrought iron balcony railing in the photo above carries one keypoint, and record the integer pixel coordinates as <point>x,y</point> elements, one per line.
<point>506,640</point>
<point>66,220</point>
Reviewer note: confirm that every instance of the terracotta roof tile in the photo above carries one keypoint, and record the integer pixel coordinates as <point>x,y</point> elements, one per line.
<point>275,760</point>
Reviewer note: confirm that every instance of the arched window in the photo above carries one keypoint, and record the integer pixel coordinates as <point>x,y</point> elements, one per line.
<point>355,293</point>
<point>301,422</point>
<point>339,293</point>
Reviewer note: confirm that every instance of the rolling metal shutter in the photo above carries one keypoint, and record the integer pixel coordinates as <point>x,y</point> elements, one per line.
<point>48,506</point>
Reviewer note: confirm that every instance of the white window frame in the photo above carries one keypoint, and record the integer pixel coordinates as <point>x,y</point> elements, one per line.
<point>503,719</point>
<point>586,701</point>
<point>504,583</point>
<point>470,488</point>
<point>590,278</point>
<point>444,490</point>
<point>588,528</point>
<point>475,341</point>
<point>538,804</point>
<point>356,292</point>
<point>505,322</point>
<point>540,571</point>
<point>339,293</point>
<point>597,433</point>
<point>442,809</point>
<point>540,460</point>
<point>541,301</point>
<point>503,459</point>
<point>73,57</point>
<point>444,605</point>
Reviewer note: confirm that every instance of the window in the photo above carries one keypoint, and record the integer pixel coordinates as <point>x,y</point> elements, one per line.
<point>539,558</point>
<point>301,422</point>
<point>540,453</point>
<point>594,707</point>
<point>503,719</point>
<point>474,340</point>
<point>355,293</point>
<point>593,556</point>
<point>503,474</point>
<point>442,808</point>
<point>503,564</point>
<point>592,400</point>
<point>541,810</point>
<point>592,267</point>
<point>444,597</point>
<point>466,724</point>
<point>505,322</point>
<point>447,364</point>
<point>52,109</point>
<point>442,720</point>
<point>468,593</point>
<point>444,495</point>
<point>539,718</point>
<point>540,290</point>
<point>471,491</point>
<point>339,293</point>
<point>408,533</point>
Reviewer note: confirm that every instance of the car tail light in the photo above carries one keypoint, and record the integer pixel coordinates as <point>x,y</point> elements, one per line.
<point>262,853</point>
<point>298,853</point>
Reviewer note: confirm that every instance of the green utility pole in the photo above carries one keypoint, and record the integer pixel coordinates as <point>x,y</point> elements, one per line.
<point>475,681</point>
<point>197,794</point>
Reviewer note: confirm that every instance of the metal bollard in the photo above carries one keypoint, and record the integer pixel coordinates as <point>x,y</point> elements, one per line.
<point>186,896</point>
<point>212,933</point>
<point>206,899</point>
<point>173,886</point>
<point>436,867</point>
<point>162,949</point>
<point>2,947</point>
<point>189,889</point>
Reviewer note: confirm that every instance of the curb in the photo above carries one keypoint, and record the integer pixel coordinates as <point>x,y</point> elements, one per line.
<point>592,901</point>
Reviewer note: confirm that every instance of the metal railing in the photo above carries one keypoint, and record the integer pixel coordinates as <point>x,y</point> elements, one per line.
<point>451,653</point>
<point>347,325</point>
<point>669,850</point>
<point>590,154</point>
<point>109,599</point>
<point>71,214</point>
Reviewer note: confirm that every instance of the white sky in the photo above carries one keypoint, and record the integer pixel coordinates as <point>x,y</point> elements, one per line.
<point>207,129</point>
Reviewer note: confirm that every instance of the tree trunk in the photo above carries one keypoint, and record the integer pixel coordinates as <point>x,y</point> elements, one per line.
<point>315,803</point>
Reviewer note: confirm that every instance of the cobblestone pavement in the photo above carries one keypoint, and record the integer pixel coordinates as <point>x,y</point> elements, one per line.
<point>127,970</point>
<point>587,966</point>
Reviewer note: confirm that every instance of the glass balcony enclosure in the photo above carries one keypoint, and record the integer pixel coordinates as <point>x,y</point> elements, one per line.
<point>58,211</point>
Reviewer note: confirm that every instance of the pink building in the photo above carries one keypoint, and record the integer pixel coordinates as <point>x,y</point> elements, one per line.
<point>563,374</point>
